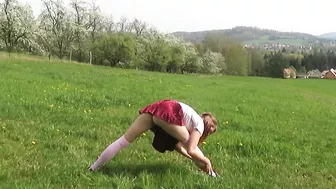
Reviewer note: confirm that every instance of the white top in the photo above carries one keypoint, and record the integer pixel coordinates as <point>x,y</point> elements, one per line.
<point>191,118</point>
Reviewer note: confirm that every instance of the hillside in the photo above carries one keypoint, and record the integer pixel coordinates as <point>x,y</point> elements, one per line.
<point>56,118</point>
<point>254,36</point>
<point>331,35</point>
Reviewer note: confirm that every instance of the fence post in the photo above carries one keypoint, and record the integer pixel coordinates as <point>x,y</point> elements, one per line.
<point>90,57</point>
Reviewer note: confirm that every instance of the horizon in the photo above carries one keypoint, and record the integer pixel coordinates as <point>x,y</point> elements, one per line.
<point>191,16</point>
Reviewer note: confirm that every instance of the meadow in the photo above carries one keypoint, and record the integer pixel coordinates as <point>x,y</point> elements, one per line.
<point>288,41</point>
<point>57,117</point>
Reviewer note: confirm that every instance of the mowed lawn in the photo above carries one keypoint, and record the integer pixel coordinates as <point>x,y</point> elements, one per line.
<point>56,118</point>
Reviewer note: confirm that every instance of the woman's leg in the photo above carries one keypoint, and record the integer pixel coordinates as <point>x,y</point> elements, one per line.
<point>180,133</point>
<point>142,124</point>
<point>139,126</point>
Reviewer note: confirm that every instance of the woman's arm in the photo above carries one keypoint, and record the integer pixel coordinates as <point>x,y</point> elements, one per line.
<point>194,152</point>
<point>179,148</point>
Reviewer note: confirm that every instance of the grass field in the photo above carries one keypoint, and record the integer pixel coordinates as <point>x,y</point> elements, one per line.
<point>265,39</point>
<point>56,118</point>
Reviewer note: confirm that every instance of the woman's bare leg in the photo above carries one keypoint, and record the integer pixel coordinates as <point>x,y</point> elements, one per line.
<point>180,133</point>
<point>142,124</point>
<point>139,126</point>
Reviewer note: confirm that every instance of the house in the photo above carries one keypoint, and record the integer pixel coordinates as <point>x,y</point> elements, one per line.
<point>289,73</point>
<point>314,74</point>
<point>331,74</point>
<point>324,73</point>
<point>301,75</point>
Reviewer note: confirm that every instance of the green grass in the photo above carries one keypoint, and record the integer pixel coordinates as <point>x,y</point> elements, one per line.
<point>265,39</point>
<point>280,133</point>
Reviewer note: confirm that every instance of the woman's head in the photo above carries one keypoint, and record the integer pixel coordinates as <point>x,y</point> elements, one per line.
<point>210,125</point>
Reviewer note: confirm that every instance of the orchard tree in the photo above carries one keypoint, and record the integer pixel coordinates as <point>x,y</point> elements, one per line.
<point>16,24</point>
<point>56,27</point>
<point>153,51</point>
<point>138,27</point>
<point>115,49</point>
<point>96,22</point>
<point>123,25</point>
<point>81,25</point>
<point>213,63</point>
<point>177,58</point>
<point>193,60</point>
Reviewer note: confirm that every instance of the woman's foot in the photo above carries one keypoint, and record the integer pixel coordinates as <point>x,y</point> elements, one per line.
<point>213,173</point>
<point>90,167</point>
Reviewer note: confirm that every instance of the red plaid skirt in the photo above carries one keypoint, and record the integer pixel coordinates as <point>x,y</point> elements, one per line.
<point>168,110</point>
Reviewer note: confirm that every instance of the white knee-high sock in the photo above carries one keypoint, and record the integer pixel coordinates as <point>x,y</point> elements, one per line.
<point>110,152</point>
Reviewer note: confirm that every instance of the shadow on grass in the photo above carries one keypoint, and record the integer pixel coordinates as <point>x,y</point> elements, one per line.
<point>136,169</point>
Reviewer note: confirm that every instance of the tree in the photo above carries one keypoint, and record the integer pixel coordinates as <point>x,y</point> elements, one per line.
<point>56,27</point>
<point>215,42</point>
<point>118,49</point>
<point>283,50</point>
<point>138,27</point>
<point>155,54</point>
<point>275,63</point>
<point>257,63</point>
<point>79,28</point>
<point>123,25</point>
<point>193,61</point>
<point>96,24</point>
<point>81,25</point>
<point>16,24</point>
<point>236,57</point>
<point>237,60</point>
<point>294,60</point>
<point>213,63</point>
<point>177,59</point>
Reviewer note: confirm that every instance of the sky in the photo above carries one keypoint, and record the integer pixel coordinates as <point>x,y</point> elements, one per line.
<point>308,16</point>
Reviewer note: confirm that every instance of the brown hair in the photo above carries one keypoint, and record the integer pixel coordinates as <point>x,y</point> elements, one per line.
<point>210,122</point>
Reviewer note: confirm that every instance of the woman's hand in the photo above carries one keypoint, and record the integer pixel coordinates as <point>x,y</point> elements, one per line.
<point>208,167</point>
<point>205,167</point>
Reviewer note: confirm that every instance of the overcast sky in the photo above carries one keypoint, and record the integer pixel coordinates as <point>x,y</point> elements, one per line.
<point>309,16</point>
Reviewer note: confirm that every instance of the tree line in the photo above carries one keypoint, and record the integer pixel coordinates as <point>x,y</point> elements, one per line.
<point>274,62</point>
<point>81,32</point>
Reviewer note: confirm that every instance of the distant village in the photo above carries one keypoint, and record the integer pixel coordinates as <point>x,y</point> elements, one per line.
<point>290,73</point>
<point>290,47</point>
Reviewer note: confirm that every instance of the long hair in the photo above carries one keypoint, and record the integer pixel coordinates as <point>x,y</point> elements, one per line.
<point>210,123</point>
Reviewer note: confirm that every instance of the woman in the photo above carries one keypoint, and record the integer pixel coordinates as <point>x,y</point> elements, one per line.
<point>177,120</point>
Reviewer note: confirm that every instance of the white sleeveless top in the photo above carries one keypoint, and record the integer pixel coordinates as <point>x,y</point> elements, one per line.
<point>191,118</point>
